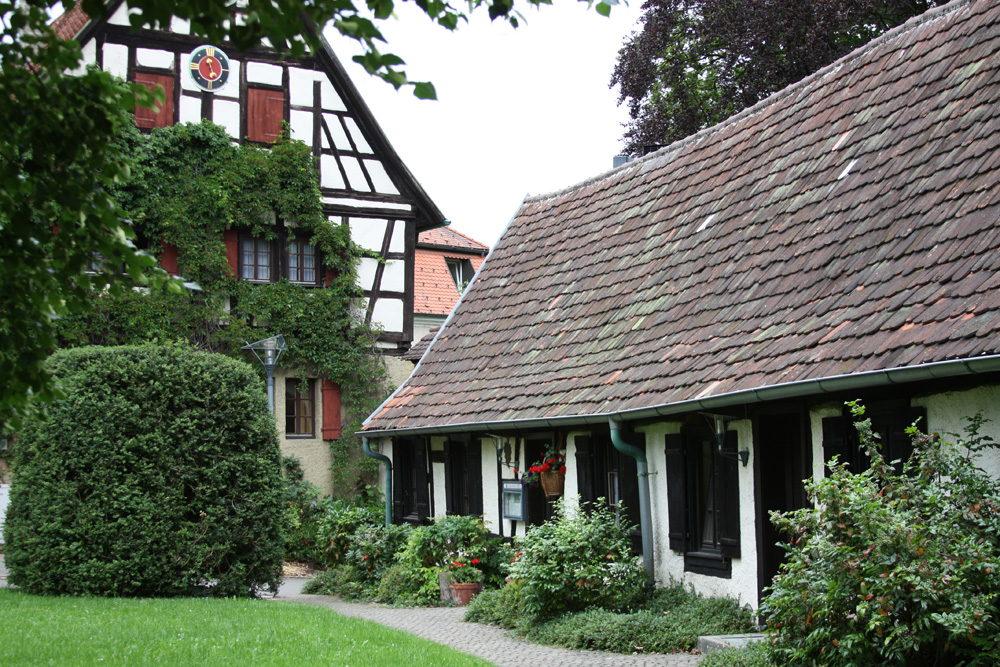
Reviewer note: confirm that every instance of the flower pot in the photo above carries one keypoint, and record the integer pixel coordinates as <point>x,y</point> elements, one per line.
<point>461,594</point>
<point>553,483</point>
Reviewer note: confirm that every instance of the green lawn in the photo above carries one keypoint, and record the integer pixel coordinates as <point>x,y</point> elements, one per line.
<point>176,632</point>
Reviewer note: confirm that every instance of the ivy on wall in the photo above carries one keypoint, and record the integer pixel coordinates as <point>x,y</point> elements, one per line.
<point>189,185</point>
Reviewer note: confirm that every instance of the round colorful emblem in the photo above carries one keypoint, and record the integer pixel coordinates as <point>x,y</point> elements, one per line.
<point>209,68</point>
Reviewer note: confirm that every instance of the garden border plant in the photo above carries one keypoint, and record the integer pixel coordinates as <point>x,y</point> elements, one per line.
<point>893,568</point>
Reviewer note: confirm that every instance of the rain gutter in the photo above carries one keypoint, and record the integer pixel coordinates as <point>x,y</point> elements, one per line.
<point>777,392</point>
<point>645,516</point>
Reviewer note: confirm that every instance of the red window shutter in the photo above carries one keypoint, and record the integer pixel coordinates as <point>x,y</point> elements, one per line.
<point>265,111</point>
<point>331,411</point>
<point>232,241</point>
<point>164,117</point>
<point>168,259</point>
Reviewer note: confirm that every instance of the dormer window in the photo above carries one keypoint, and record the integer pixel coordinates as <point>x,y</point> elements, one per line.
<point>461,272</point>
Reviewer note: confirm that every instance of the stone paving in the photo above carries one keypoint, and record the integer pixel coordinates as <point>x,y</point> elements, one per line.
<point>444,625</point>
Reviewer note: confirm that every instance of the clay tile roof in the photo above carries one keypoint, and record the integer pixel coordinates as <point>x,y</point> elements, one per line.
<point>70,23</point>
<point>434,290</point>
<point>449,238</point>
<point>849,224</point>
<point>418,349</point>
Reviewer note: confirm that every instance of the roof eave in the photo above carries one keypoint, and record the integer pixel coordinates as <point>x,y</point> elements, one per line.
<point>786,391</point>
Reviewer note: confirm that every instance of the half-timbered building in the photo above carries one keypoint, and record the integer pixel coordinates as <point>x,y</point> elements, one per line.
<point>364,184</point>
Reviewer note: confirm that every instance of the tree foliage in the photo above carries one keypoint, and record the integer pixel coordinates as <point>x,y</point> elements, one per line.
<point>697,62</point>
<point>893,568</point>
<point>157,475</point>
<point>58,157</point>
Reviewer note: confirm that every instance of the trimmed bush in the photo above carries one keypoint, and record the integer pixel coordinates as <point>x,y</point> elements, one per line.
<point>158,474</point>
<point>336,528</point>
<point>503,607</point>
<point>893,568</point>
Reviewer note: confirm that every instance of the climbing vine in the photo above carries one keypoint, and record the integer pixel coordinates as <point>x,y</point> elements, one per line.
<point>189,185</point>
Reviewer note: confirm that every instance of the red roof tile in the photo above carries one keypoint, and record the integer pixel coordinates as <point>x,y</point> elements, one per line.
<point>69,24</point>
<point>449,238</point>
<point>848,224</point>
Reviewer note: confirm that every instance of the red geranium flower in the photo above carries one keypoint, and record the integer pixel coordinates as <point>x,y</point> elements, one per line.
<point>544,467</point>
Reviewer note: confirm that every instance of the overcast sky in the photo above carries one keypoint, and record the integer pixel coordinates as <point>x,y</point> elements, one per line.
<point>518,111</point>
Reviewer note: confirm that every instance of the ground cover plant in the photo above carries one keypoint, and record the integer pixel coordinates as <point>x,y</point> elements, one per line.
<point>669,620</point>
<point>157,475</point>
<point>180,632</point>
<point>893,568</point>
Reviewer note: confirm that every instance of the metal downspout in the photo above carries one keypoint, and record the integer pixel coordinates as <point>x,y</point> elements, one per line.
<point>645,518</point>
<point>388,477</point>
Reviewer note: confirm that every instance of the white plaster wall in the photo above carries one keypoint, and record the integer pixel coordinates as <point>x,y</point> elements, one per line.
<point>331,100</point>
<point>154,58</point>
<point>227,114</point>
<point>380,178</point>
<point>120,17</point>
<point>368,233</point>
<point>89,51</point>
<point>355,177</point>
<point>301,123</point>
<point>947,413</point>
<point>389,314</point>
<point>670,564</point>
<point>394,276</point>
<point>190,109</point>
<point>366,272</point>
<point>356,134</point>
<point>491,485</point>
<point>263,73</point>
<point>437,469</point>
<point>340,139</point>
<point>116,59</point>
<point>422,325</point>
<point>329,172</point>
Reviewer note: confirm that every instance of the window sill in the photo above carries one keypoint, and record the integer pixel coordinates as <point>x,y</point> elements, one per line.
<point>709,563</point>
<point>300,436</point>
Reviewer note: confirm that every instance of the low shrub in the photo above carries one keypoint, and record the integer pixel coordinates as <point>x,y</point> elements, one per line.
<point>344,580</point>
<point>671,621</point>
<point>406,585</point>
<point>893,568</point>
<point>503,607</point>
<point>305,504</point>
<point>752,655</point>
<point>158,474</point>
<point>374,549</point>
<point>337,525</point>
<point>578,561</point>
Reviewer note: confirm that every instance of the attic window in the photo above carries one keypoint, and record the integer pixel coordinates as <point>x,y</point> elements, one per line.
<point>461,272</point>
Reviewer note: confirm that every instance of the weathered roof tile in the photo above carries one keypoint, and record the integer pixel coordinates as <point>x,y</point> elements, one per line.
<point>737,259</point>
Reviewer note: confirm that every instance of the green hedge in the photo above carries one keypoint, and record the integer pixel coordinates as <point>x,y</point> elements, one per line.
<point>158,474</point>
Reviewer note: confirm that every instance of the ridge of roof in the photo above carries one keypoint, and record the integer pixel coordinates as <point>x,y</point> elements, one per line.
<point>463,242</point>
<point>913,22</point>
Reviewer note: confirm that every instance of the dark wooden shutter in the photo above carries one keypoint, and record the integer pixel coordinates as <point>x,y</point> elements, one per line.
<point>400,476</point>
<point>727,484</point>
<point>265,111</point>
<point>585,468</point>
<point>422,495</point>
<point>162,115</point>
<point>168,259</point>
<point>898,444</point>
<point>676,492</point>
<point>474,475</point>
<point>232,240</point>
<point>331,411</point>
<point>836,441</point>
<point>449,477</point>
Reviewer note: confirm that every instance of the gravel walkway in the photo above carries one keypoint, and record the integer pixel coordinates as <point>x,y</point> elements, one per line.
<point>444,625</point>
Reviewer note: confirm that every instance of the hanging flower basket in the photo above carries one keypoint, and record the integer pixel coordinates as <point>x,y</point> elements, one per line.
<point>553,484</point>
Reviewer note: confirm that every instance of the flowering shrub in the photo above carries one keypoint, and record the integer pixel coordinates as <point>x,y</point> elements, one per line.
<point>893,568</point>
<point>577,561</point>
<point>465,572</point>
<point>551,461</point>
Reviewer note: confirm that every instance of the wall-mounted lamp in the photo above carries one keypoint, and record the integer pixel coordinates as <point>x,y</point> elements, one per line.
<point>718,424</point>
